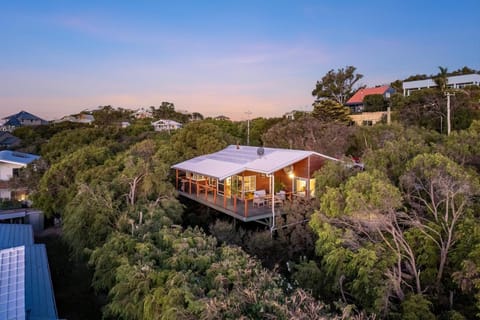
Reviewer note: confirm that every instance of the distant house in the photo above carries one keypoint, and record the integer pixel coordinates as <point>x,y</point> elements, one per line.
<point>295,114</point>
<point>250,183</point>
<point>222,118</point>
<point>455,82</point>
<point>166,125</point>
<point>142,113</point>
<point>20,119</point>
<point>196,116</point>
<point>125,124</point>
<point>10,163</point>
<point>26,290</point>
<point>8,140</point>
<point>78,118</point>
<point>356,103</point>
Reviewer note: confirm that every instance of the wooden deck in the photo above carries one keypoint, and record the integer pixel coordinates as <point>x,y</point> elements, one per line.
<point>243,210</point>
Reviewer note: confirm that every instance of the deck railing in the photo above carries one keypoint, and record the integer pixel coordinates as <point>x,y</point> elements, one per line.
<point>244,207</point>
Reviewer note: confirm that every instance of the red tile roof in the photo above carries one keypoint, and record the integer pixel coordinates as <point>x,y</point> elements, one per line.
<point>362,93</point>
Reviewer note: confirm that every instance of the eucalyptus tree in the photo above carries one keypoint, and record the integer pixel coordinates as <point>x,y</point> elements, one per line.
<point>337,85</point>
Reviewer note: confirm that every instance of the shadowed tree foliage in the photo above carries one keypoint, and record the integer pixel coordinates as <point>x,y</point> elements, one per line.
<point>333,139</point>
<point>375,102</point>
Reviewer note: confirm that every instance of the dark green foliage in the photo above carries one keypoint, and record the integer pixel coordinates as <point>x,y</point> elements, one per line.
<point>166,110</point>
<point>416,307</point>
<point>375,102</point>
<point>328,110</point>
<point>107,115</point>
<point>308,133</point>
<point>428,108</point>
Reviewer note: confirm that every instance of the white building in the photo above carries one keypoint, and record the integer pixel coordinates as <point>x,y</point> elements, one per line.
<point>10,162</point>
<point>166,125</point>
<point>455,82</point>
<point>142,113</point>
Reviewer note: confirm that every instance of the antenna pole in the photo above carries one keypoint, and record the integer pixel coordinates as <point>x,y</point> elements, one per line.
<point>248,113</point>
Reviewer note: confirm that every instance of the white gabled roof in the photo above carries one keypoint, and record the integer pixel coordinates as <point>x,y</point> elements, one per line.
<point>19,158</point>
<point>167,122</point>
<point>233,160</point>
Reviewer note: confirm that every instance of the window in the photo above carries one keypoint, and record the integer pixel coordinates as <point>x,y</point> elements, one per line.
<point>367,123</point>
<point>16,172</point>
<point>242,185</point>
<point>250,183</point>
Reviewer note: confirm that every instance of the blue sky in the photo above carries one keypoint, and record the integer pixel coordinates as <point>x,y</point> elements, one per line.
<point>218,57</point>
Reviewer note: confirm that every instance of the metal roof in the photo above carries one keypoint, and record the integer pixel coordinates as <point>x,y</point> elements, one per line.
<point>35,287</point>
<point>17,157</point>
<point>39,297</point>
<point>235,159</point>
<point>12,283</point>
<point>24,115</point>
<point>14,235</point>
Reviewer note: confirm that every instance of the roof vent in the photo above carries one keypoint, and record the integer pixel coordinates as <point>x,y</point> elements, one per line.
<point>260,151</point>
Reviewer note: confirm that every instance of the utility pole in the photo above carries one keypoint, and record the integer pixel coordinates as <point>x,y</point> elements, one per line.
<point>248,113</point>
<point>449,126</point>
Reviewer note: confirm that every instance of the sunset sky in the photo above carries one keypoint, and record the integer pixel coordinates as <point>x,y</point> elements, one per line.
<point>218,57</point>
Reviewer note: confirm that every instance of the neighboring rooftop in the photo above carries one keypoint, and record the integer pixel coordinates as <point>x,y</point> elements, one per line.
<point>15,157</point>
<point>8,140</point>
<point>12,283</point>
<point>26,290</point>
<point>23,118</point>
<point>362,93</point>
<point>456,82</point>
<point>14,235</point>
<point>235,159</point>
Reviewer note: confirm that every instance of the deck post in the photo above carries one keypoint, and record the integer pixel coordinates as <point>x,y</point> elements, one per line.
<point>235,204</point>
<point>190,184</point>
<point>206,190</point>
<point>176,179</point>
<point>308,176</point>
<point>273,202</point>
<point>246,208</point>
<point>224,200</point>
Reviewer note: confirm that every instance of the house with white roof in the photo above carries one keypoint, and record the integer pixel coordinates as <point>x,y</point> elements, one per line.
<point>166,125</point>
<point>249,183</point>
<point>10,163</point>
<point>454,82</point>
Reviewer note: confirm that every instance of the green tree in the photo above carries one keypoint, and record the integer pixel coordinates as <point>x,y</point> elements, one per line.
<point>337,85</point>
<point>331,111</point>
<point>308,133</point>
<point>375,102</point>
<point>195,139</point>
<point>441,193</point>
<point>441,79</point>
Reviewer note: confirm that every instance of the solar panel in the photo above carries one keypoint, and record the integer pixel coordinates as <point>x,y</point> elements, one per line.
<point>12,283</point>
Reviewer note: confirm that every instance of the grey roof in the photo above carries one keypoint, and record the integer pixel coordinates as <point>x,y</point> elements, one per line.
<point>36,287</point>
<point>17,157</point>
<point>233,160</point>
<point>7,139</point>
<point>14,235</point>
<point>24,115</point>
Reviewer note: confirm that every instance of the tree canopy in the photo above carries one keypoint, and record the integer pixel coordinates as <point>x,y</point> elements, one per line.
<point>337,85</point>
